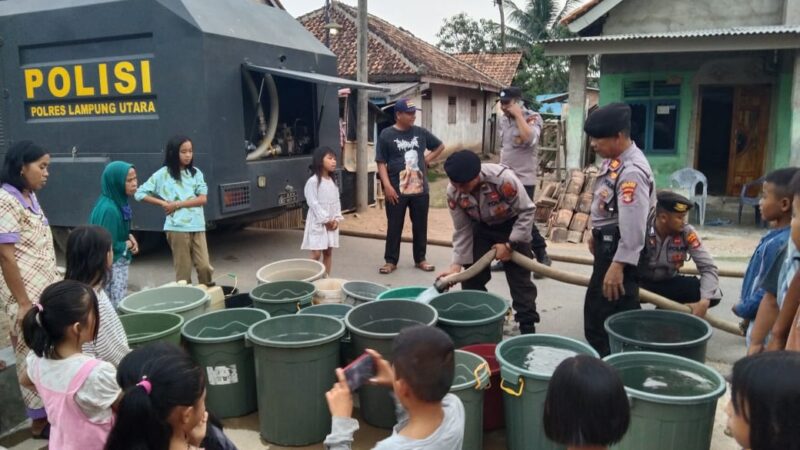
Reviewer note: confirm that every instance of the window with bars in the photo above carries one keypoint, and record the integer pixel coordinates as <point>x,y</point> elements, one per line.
<point>655,107</point>
<point>451,110</point>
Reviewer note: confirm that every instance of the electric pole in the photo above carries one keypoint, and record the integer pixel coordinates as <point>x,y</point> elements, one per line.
<point>362,133</point>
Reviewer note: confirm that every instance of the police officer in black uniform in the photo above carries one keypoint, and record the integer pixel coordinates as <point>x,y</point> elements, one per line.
<point>624,197</point>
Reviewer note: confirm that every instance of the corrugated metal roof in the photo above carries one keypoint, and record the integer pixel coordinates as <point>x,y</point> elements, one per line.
<point>718,32</point>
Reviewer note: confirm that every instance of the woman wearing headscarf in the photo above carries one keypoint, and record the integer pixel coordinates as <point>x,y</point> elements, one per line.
<point>113,213</point>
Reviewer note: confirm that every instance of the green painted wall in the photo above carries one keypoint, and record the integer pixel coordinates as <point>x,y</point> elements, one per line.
<point>663,164</point>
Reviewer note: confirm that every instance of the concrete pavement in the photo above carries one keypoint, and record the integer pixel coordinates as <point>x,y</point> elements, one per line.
<point>243,252</point>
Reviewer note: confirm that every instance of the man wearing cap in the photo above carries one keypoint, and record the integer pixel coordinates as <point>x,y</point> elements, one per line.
<point>624,196</point>
<point>402,167</point>
<point>490,209</point>
<point>670,242</point>
<point>519,130</point>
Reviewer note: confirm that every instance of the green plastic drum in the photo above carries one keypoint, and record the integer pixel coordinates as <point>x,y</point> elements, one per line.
<point>660,331</point>
<point>673,401</point>
<point>296,359</point>
<point>374,325</point>
<point>188,301</point>
<point>216,341</point>
<point>335,310</point>
<point>402,293</point>
<point>358,292</point>
<point>144,328</point>
<point>526,364</point>
<point>283,297</point>
<point>470,380</point>
<point>471,317</point>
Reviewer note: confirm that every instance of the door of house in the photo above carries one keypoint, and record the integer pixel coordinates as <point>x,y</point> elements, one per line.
<point>748,142</point>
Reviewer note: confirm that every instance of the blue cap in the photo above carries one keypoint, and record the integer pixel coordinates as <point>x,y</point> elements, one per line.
<point>405,105</point>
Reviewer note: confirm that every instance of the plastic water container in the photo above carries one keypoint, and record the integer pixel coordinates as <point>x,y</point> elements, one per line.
<point>673,400</point>
<point>283,297</point>
<point>291,270</point>
<point>188,301</point>
<point>470,380</point>
<point>358,292</point>
<point>471,317</point>
<point>144,328</point>
<point>660,331</point>
<point>329,290</point>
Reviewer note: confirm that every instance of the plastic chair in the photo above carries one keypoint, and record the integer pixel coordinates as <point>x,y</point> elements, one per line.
<point>687,180</point>
<point>744,199</point>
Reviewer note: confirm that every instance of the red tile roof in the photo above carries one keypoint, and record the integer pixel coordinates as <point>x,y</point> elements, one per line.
<point>395,55</point>
<point>500,66</point>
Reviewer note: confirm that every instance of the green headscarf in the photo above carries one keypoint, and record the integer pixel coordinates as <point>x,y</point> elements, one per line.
<point>112,211</point>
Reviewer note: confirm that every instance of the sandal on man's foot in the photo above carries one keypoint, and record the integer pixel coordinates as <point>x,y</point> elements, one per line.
<point>425,267</point>
<point>387,268</point>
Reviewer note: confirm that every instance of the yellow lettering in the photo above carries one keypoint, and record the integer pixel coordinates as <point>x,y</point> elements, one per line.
<point>80,89</point>
<point>102,75</point>
<point>52,82</point>
<point>145,68</point>
<point>33,80</point>
<point>123,71</point>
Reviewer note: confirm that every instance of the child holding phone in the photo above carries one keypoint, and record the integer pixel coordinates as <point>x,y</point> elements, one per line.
<point>429,416</point>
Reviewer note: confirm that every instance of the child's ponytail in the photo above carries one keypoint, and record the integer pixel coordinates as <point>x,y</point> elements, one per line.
<point>156,379</point>
<point>61,305</point>
<point>138,425</point>
<point>34,333</point>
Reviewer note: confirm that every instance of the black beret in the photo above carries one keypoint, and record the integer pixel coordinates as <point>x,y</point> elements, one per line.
<point>672,202</point>
<point>608,121</point>
<point>462,166</point>
<point>510,92</point>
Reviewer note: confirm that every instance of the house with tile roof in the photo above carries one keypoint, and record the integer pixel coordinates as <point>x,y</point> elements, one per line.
<point>713,85</point>
<point>502,66</point>
<point>455,98</point>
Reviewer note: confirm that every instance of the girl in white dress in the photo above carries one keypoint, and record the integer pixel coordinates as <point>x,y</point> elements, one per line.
<point>324,208</point>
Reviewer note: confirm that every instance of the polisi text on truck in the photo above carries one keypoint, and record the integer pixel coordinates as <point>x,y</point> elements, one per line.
<point>88,80</point>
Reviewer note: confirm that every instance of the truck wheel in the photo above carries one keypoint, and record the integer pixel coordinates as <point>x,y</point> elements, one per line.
<point>60,235</point>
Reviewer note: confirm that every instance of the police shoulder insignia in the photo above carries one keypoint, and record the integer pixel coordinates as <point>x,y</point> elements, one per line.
<point>613,175</point>
<point>614,164</point>
<point>628,191</point>
<point>693,240</point>
<point>508,189</point>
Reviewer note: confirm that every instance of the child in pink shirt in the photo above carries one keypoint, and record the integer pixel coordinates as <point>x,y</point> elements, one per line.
<point>78,390</point>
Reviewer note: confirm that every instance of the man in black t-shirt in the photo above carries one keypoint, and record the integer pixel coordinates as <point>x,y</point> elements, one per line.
<point>403,168</point>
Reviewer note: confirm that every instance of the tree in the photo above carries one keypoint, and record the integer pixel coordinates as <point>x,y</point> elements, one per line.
<point>463,34</point>
<point>499,4</point>
<point>536,21</point>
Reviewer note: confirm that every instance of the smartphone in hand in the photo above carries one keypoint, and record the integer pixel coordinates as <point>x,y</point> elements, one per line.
<point>358,372</point>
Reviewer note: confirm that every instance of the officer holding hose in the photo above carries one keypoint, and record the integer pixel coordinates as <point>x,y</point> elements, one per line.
<point>490,209</point>
<point>624,197</point>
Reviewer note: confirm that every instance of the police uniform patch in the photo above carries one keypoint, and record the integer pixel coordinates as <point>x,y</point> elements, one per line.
<point>614,164</point>
<point>494,196</point>
<point>628,191</point>
<point>680,207</point>
<point>508,189</point>
<point>693,240</point>
<point>613,175</point>
<point>500,210</point>
<point>465,203</point>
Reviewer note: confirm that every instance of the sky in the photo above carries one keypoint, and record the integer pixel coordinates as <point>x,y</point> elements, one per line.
<point>423,18</point>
